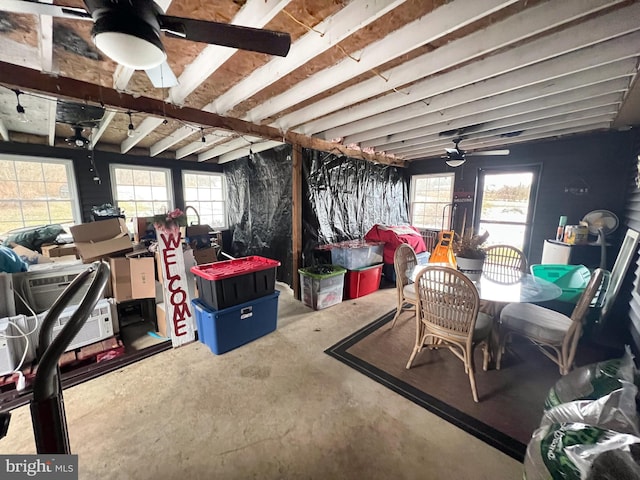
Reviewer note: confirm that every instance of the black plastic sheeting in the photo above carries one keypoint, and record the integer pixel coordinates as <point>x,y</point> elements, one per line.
<point>345,197</point>
<point>259,209</point>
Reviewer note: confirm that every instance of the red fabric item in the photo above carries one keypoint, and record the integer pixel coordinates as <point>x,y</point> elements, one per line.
<point>393,236</point>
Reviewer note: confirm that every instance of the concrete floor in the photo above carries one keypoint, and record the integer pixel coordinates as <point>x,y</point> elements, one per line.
<point>277,408</point>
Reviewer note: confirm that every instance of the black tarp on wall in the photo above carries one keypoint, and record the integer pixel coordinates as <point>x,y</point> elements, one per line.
<point>345,197</point>
<point>259,209</point>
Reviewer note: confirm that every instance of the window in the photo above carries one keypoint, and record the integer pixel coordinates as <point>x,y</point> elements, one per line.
<point>36,191</point>
<point>431,197</point>
<point>505,205</point>
<point>141,191</point>
<point>206,193</point>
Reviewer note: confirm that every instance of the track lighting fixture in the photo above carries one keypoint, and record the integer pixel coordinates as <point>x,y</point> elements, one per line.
<point>130,132</point>
<point>250,154</point>
<point>22,116</point>
<point>204,140</point>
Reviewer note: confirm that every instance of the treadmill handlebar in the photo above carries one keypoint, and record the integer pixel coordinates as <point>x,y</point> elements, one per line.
<point>46,381</point>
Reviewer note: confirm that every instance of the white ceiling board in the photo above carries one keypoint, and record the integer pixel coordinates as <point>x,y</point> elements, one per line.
<point>357,14</point>
<point>506,116</point>
<point>580,36</point>
<point>599,79</point>
<point>443,20</point>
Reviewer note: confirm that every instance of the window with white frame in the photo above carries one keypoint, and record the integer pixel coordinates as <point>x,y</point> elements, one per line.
<point>431,197</point>
<point>36,191</point>
<point>141,191</point>
<point>206,192</point>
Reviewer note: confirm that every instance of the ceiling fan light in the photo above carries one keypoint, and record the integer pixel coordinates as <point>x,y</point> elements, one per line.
<point>129,50</point>
<point>131,40</point>
<point>455,162</point>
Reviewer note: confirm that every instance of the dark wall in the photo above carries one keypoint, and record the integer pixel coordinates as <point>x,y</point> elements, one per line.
<point>93,193</point>
<point>598,161</point>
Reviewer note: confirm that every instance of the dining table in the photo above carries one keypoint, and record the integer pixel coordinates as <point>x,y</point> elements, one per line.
<point>510,287</point>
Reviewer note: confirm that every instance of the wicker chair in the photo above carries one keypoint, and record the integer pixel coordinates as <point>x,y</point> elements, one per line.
<point>503,264</point>
<point>502,261</point>
<point>447,316</point>
<point>554,333</point>
<point>404,261</point>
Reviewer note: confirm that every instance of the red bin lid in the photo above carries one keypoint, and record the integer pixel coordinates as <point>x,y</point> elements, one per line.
<point>233,268</point>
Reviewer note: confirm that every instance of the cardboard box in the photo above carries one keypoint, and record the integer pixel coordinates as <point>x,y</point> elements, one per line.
<point>132,278</point>
<point>52,251</point>
<point>100,239</point>
<point>189,261</point>
<point>161,318</point>
<point>205,255</point>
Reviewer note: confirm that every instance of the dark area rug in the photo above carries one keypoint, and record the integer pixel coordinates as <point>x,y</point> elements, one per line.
<point>511,399</point>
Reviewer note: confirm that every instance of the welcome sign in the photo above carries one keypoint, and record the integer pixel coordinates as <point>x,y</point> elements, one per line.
<point>179,312</point>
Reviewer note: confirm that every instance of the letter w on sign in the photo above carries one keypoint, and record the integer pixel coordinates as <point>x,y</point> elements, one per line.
<point>179,313</point>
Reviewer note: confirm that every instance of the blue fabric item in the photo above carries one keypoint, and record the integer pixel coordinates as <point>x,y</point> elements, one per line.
<point>10,261</point>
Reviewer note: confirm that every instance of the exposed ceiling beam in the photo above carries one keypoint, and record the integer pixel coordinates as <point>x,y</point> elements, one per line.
<point>74,89</point>
<point>248,150</point>
<point>42,8</point>
<point>170,140</point>
<point>356,15</point>
<point>431,27</point>
<point>104,123</point>
<point>142,130</point>
<point>461,101</point>
<point>229,146</point>
<point>512,114</point>
<point>212,138</point>
<point>45,41</point>
<point>4,133</point>
<point>580,36</point>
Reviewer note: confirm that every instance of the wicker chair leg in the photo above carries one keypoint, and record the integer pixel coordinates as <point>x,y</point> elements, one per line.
<point>486,356</point>
<point>395,318</point>
<point>416,349</point>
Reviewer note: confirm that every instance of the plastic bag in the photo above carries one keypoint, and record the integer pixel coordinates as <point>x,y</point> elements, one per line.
<point>616,411</point>
<point>567,450</point>
<point>592,381</point>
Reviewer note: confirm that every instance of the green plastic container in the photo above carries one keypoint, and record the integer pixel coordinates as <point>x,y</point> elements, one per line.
<point>572,279</point>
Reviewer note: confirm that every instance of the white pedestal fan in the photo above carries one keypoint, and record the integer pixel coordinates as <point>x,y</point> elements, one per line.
<point>601,223</point>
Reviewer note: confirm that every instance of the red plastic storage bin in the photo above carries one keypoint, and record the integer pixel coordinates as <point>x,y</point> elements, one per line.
<point>231,282</point>
<point>362,281</point>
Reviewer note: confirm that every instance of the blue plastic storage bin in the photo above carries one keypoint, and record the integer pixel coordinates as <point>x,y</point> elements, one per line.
<point>224,330</point>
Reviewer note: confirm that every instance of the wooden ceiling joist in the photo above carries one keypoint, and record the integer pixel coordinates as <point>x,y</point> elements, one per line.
<point>16,76</point>
<point>613,29</point>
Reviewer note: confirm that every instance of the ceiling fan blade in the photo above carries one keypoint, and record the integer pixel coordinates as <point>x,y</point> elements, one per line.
<point>162,76</point>
<point>488,153</point>
<point>37,8</point>
<point>227,35</point>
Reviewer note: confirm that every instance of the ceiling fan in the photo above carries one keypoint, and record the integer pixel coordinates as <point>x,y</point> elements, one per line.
<point>128,31</point>
<point>456,156</point>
